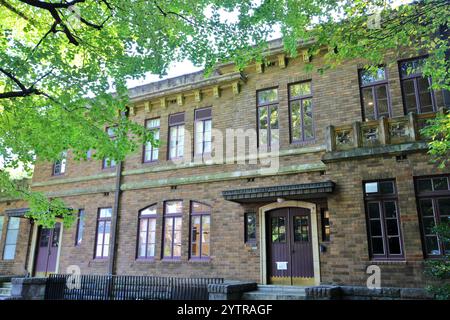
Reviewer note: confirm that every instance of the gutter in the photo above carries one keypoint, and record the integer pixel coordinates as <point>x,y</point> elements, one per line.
<point>114,221</point>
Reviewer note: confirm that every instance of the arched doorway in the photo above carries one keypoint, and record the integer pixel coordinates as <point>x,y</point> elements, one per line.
<point>289,243</point>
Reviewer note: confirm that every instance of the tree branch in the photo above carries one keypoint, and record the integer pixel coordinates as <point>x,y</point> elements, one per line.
<point>49,6</point>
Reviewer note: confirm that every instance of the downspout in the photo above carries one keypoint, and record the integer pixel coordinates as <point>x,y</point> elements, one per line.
<point>114,221</point>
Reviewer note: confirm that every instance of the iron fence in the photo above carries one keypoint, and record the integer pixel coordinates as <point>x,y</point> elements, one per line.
<point>107,287</point>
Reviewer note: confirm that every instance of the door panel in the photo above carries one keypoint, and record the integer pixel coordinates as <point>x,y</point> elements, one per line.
<point>289,244</point>
<point>47,250</point>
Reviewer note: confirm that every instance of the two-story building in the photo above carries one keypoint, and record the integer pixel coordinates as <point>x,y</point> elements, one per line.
<point>272,174</point>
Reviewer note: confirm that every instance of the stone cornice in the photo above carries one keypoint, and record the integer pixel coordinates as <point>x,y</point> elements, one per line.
<point>207,82</point>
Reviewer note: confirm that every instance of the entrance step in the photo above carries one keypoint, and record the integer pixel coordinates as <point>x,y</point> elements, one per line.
<point>5,290</point>
<point>269,292</point>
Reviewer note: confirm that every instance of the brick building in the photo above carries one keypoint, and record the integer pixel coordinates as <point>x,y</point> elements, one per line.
<point>341,180</point>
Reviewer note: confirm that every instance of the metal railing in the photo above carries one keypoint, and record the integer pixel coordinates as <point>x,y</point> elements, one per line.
<point>107,287</point>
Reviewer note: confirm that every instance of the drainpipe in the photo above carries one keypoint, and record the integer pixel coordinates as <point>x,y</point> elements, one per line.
<point>114,221</point>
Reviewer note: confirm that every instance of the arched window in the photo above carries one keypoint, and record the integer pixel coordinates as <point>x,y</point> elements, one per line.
<point>147,233</point>
<point>200,230</point>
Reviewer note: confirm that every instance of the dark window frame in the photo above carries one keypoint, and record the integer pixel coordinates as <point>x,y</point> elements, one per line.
<point>146,217</point>
<point>8,229</point>
<point>247,238</point>
<point>172,216</point>
<point>374,85</point>
<point>325,225</point>
<point>414,77</point>
<point>102,220</point>
<point>302,118</point>
<point>381,199</point>
<point>177,125</point>
<point>267,105</point>
<point>433,196</point>
<point>58,164</point>
<point>201,215</point>
<point>144,148</point>
<point>112,163</point>
<point>202,119</point>
<point>80,225</point>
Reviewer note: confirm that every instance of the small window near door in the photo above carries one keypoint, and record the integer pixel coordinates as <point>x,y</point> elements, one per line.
<point>103,233</point>
<point>12,233</point>
<point>374,93</point>
<point>250,227</point>
<point>383,220</point>
<point>325,219</point>
<point>80,227</point>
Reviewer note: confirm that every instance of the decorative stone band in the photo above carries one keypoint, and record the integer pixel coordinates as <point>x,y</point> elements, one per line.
<point>293,191</point>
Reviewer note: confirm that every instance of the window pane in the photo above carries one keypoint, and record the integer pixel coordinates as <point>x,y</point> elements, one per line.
<point>142,251</point>
<point>411,67</point>
<point>440,184</point>
<point>105,213</point>
<point>375,228</point>
<point>263,126</point>
<point>390,209</point>
<point>149,211</point>
<point>387,187</point>
<point>2,219</point>
<point>195,236</point>
<point>424,185</point>
<point>432,245</point>
<point>267,96</point>
<point>301,228</point>
<point>168,237</point>
<point>13,223</point>
<point>10,252</point>
<point>296,120</point>
<point>444,207</point>
<point>377,246</point>
<point>300,89</point>
<point>250,226</point>
<point>428,225</point>
<point>392,227</point>
<point>198,207</point>
<point>151,250</point>
<point>308,119</point>
<point>410,95</point>
<point>368,103</point>
<point>274,138</point>
<point>11,236</point>
<point>206,224</point>
<point>374,211</point>
<point>426,104</point>
<point>382,101</point>
<point>174,207</point>
<point>426,207</point>
<point>282,229</point>
<point>370,76</point>
<point>153,123</point>
<point>394,245</point>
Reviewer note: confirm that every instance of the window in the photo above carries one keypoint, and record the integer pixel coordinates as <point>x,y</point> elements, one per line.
<point>383,220</point>
<point>107,162</point>
<point>301,113</point>
<point>1,226</point>
<point>151,153</point>
<point>200,230</point>
<point>147,233</point>
<point>417,94</point>
<point>12,233</point>
<point>325,218</point>
<point>173,211</point>
<point>433,196</point>
<point>103,233</point>
<point>59,167</point>
<point>176,136</point>
<point>268,132</point>
<point>202,127</point>
<point>80,227</point>
<point>374,93</point>
<point>250,227</point>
